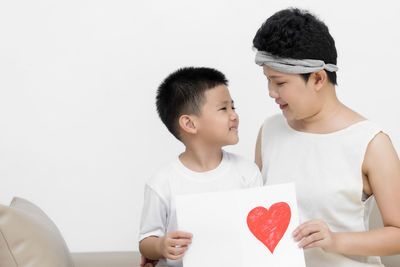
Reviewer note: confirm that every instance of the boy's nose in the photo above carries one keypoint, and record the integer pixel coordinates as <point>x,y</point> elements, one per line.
<point>234,115</point>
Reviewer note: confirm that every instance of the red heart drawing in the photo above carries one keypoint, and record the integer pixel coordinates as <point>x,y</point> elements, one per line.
<point>269,226</point>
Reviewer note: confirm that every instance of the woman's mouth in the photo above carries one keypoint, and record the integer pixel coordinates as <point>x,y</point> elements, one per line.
<point>283,106</point>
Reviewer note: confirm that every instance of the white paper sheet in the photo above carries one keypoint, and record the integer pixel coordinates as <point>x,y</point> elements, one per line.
<point>222,235</point>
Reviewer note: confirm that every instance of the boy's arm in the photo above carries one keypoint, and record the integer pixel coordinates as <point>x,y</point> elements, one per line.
<point>149,248</point>
<point>153,222</point>
<point>382,167</point>
<point>171,246</point>
<point>155,243</point>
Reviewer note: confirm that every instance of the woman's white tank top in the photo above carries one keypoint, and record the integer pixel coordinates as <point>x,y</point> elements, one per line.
<point>326,169</point>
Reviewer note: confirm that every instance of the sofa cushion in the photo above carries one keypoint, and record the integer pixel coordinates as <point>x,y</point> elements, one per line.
<point>28,237</point>
<point>106,259</point>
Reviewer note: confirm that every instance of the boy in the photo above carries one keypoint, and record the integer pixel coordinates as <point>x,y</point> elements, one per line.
<point>196,107</point>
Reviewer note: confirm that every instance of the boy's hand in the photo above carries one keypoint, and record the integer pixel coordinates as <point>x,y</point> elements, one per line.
<point>147,262</point>
<point>174,244</point>
<point>315,233</point>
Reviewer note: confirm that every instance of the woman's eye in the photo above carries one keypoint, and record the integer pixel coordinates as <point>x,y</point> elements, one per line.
<point>233,108</point>
<point>223,109</point>
<point>280,84</point>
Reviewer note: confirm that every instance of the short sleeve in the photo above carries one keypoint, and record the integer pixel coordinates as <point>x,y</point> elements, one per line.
<point>154,215</point>
<point>249,172</point>
<point>256,180</point>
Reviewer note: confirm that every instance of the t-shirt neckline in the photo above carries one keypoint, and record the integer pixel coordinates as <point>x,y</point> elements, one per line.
<point>214,173</point>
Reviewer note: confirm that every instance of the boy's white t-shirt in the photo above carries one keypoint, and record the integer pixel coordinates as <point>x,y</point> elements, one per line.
<point>159,212</point>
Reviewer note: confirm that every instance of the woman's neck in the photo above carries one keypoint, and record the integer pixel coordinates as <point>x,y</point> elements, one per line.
<point>331,116</point>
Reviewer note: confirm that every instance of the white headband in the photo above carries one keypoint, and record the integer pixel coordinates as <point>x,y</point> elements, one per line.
<point>293,66</point>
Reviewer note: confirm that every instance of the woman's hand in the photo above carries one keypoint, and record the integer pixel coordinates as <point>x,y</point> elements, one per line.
<point>174,244</point>
<point>315,233</point>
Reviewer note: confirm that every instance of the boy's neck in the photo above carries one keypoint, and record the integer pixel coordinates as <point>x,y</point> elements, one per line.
<point>201,160</point>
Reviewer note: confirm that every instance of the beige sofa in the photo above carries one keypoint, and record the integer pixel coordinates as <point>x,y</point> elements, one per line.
<point>29,238</point>
<point>106,259</point>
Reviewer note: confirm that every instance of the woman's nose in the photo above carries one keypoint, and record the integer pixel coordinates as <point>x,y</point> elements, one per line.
<point>273,93</point>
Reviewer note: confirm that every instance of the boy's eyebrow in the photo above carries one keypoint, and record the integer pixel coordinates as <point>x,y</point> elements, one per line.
<point>225,102</point>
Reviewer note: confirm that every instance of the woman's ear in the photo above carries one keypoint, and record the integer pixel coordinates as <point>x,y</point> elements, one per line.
<point>319,79</point>
<point>188,124</point>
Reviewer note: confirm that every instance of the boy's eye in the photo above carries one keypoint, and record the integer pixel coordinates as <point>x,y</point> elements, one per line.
<point>280,84</point>
<point>225,108</point>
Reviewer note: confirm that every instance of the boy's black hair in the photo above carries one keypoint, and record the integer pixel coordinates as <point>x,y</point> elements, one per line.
<point>295,33</point>
<point>182,92</point>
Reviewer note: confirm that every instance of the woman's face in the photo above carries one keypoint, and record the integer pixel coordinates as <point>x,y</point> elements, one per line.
<point>296,98</point>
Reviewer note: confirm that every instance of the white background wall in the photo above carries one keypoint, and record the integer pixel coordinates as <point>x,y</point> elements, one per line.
<point>79,133</point>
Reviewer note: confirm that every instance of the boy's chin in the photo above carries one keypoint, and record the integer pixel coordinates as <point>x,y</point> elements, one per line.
<point>233,141</point>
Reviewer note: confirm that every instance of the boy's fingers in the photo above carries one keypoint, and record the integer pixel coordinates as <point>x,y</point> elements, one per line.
<point>180,242</point>
<point>175,257</point>
<point>143,259</point>
<point>180,234</point>
<point>177,251</point>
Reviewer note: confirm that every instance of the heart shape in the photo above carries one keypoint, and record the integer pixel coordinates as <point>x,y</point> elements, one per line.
<point>269,226</point>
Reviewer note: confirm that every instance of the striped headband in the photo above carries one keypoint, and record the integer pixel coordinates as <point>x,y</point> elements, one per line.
<point>293,66</point>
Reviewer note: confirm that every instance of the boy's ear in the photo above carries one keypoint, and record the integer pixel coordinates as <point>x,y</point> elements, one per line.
<point>319,79</point>
<point>188,124</point>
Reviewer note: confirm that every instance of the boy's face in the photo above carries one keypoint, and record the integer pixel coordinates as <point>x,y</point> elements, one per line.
<point>296,98</point>
<point>218,122</point>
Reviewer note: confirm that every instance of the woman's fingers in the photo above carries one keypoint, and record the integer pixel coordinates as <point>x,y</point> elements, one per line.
<point>307,229</point>
<point>307,241</point>
<point>316,244</point>
<point>315,233</point>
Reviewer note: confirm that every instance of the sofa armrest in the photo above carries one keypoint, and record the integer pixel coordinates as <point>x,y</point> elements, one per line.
<point>106,259</point>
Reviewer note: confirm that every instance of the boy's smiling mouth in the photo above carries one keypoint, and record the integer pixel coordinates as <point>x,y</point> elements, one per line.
<point>234,128</point>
